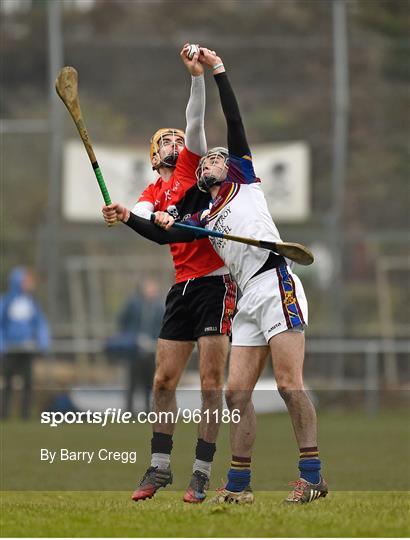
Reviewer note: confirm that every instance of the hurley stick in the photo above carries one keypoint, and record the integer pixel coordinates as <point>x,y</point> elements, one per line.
<point>295,252</point>
<point>67,89</point>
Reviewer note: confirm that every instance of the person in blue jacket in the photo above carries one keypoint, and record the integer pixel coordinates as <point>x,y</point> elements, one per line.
<point>24,334</point>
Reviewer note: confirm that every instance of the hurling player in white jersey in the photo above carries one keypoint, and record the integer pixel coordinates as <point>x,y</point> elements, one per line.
<point>272,312</point>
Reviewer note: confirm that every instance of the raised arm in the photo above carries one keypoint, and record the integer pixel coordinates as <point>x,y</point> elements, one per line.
<point>237,142</point>
<point>195,139</point>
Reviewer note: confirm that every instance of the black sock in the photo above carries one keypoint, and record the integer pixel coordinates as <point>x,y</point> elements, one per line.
<point>205,450</point>
<point>161,443</point>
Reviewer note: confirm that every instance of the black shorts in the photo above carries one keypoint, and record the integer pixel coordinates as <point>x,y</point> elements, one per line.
<point>199,307</point>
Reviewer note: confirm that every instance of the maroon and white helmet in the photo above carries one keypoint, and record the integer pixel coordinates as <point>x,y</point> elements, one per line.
<point>205,178</point>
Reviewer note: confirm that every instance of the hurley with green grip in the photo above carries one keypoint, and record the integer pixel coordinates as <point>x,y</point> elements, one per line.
<point>67,89</point>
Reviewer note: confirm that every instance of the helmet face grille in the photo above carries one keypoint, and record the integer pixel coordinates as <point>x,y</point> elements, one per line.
<point>212,168</point>
<point>157,142</point>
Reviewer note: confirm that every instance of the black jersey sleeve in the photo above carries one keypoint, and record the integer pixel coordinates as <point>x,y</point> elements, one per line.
<point>237,143</point>
<point>152,232</point>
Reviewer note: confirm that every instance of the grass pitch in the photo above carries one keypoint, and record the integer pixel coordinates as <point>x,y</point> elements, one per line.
<point>113,514</point>
<point>363,453</point>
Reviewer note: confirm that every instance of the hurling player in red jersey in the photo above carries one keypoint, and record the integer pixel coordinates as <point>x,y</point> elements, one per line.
<point>200,305</point>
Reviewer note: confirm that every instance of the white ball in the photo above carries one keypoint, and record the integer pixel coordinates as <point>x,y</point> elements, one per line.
<point>191,51</point>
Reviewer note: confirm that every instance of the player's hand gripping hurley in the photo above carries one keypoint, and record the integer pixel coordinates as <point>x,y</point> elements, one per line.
<point>67,89</point>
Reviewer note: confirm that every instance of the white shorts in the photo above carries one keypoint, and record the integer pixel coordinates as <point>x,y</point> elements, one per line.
<point>272,302</point>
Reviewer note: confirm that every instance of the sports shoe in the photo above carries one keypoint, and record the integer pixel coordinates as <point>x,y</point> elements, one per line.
<point>198,485</point>
<point>152,480</point>
<point>306,492</point>
<point>237,497</point>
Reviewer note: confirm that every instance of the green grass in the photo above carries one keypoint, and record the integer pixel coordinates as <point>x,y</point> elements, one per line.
<point>366,464</point>
<point>359,453</point>
<point>113,514</point>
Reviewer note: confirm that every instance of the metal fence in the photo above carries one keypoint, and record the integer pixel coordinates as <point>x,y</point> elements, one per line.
<point>370,376</point>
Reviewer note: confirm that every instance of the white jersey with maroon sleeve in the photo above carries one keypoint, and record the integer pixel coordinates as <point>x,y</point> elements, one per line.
<point>272,301</point>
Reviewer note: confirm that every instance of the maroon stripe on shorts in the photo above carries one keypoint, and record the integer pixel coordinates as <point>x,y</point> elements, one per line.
<point>282,294</point>
<point>229,305</point>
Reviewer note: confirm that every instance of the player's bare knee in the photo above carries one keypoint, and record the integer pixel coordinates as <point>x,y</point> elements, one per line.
<point>212,379</point>
<point>285,392</point>
<point>164,382</point>
<point>289,388</point>
<point>237,399</point>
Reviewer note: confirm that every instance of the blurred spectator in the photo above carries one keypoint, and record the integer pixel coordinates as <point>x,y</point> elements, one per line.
<point>139,324</point>
<point>24,334</point>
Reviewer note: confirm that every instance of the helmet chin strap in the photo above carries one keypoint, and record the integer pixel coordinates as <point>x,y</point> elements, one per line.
<point>170,161</point>
<point>206,182</point>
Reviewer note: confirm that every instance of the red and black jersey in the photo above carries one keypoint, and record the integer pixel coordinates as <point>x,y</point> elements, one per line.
<point>191,260</point>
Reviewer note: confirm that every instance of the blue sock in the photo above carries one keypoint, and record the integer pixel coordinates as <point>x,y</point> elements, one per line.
<point>239,475</point>
<point>238,480</point>
<point>310,470</point>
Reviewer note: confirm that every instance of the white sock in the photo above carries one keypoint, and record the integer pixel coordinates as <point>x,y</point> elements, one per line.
<point>202,466</point>
<point>162,461</point>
